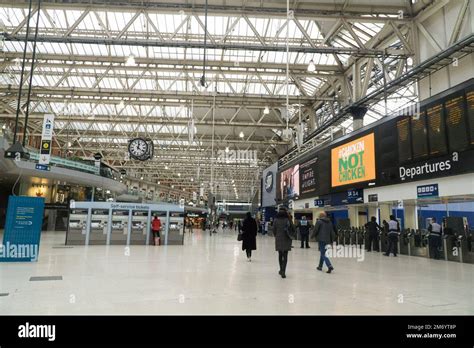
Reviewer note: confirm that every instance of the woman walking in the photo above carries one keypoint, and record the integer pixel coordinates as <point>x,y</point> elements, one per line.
<point>249,235</point>
<point>283,229</point>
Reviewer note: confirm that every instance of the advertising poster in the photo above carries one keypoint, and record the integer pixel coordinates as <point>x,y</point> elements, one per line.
<point>269,184</point>
<point>353,162</point>
<point>22,229</point>
<point>308,172</point>
<point>290,183</point>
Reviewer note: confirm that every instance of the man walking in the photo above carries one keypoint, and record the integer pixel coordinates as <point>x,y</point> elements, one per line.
<point>325,235</point>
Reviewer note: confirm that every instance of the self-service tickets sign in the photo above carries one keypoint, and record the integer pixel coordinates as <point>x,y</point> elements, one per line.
<point>353,162</point>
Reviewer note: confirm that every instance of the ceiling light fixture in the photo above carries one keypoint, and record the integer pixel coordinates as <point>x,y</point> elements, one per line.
<point>121,104</point>
<point>266,111</point>
<point>227,149</point>
<point>130,60</point>
<point>241,134</point>
<point>311,66</point>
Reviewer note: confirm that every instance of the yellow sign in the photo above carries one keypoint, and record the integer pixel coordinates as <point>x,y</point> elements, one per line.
<point>353,162</point>
<point>45,145</point>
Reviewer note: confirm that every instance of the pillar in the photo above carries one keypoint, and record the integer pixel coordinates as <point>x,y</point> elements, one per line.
<point>410,215</point>
<point>353,213</point>
<point>358,113</point>
<point>385,211</point>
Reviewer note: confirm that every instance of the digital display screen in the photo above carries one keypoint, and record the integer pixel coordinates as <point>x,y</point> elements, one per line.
<point>290,183</point>
<point>436,130</point>
<point>419,136</point>
<point>308,171</point>
<point>353,162</point>
<point>456,123</point>
<point>470,111</point>
<point>404,140</point>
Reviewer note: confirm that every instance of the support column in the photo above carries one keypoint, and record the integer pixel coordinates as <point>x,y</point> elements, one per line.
<point>353,213</point>
<point>385,211</point>
<point>410,215</point>
<point>372,211</point>
<point>358,114</point>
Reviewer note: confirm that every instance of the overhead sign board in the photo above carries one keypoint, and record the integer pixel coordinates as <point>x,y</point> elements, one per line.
<point>46,139</point>
<point>424,191</point>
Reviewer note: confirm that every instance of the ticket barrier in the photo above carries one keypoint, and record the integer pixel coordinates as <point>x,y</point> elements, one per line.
<point>383,240</point>
<point>347,236</point>
<point>419,243</point>
<point>467,249</point>
<point>340,236</point>
<point>76,232</point>
<point>404,242</point>
<point>360,237</point>
<point>98,227</point>
<point>452,245</point>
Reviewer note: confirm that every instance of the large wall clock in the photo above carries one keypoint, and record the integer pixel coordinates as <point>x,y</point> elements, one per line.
<point>141,149</point>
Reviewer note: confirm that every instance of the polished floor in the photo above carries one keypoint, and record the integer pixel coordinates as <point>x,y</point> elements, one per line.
<point>210,275</point>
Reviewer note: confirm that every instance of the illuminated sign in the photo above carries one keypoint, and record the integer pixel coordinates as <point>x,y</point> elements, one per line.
<point>353,162</point>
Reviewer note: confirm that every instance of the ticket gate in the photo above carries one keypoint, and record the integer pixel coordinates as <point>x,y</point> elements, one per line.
<point>467,252</point>
<point>119,230</point>
<point>452,247</point>
<point>419,243</point>
<point>360,237</point>
<point>98,227</point>
<point>383,240</point>
<point>139,227</point>
<point>404,242</point>
<point>77,227</point>
<point>347,237</point>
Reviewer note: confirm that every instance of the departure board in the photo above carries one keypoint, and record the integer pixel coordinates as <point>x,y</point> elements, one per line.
<point>418,136</point>
<point>470,111</point>
<point>436,130</point>
<point>404,141</point>
<point>456,123</point>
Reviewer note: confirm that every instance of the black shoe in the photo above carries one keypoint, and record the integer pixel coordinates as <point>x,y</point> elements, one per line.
<point>319,268</point>
<point>307,247</point>
<point>394,255</point>
<point>302,247</point>
<point>330,269</point>
<point>279,272</point>
<point>386,254</point>
<point>283,275</point>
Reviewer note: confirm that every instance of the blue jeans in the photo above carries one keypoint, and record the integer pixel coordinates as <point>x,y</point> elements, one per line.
<point>323,258</point>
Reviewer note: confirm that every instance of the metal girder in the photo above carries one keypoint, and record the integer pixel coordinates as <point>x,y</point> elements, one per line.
<point>196,44</point>
<point>308,9</point>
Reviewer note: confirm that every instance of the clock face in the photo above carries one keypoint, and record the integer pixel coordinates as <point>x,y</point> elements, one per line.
<point>269,182</point>
<point>138,147</point>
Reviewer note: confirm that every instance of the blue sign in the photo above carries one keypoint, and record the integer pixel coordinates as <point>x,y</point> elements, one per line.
<point>427,191</point>
<point>22,229</point>
<point>355,196</point>
<point>319,202</point>
<point>43,167</point>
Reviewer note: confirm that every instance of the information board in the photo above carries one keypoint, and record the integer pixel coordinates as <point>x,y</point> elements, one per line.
<point>436,130</point>
<point>418,136</point>
<point>456,123</point>
<point>22,229</point>
<point>404,140</point>
<point>470,112</point>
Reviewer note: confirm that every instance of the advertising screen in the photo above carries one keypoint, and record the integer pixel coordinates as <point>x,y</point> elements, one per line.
<point>353,162</point>
<point>269,178</point>
<point>290,183</point>
<point>308,171</point>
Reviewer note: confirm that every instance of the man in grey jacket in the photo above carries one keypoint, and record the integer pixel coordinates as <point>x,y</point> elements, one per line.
<point>325,234</point>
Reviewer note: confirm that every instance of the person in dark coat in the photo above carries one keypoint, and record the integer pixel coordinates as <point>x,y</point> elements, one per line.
<point>325,234</point>
<point>283,229</point>
<point>373,229</point>
<point>304,227</point>
<point>249,235</point>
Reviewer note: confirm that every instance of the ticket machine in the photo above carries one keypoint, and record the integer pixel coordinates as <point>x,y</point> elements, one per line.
<point>119,230</point>
<point>98,227</point>
<point>76,232</point>
<point>176,228</point>
<point>139,227</point>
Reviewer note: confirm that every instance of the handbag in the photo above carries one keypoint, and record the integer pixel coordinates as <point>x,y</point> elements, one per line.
<point>240,237</point>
